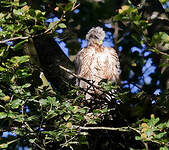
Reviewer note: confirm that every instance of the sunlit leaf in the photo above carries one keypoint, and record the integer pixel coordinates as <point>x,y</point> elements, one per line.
<point>2,69</point>
<point>3,115</point>
<point>3,145</point>
<point>62,25</point>
<point>16,103</point>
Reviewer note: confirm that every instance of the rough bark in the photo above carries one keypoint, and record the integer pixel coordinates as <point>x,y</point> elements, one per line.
<point>51,56</point>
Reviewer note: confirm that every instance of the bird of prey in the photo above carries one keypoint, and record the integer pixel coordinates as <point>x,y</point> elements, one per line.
<point>96,62</point>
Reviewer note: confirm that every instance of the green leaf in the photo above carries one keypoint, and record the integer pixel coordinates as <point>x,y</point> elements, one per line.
<point>66,117</point>
<point>164,148</point>
<point>72,1</point>
<point>3,33</point>
<point>160,135</point>
<point>38,27</point>
<point>118,17</point>
<point>2,15</point>
<point>68,6</point>
<point>153,121</point>
<point>51,100</point>
<point>62,25</point>
<point>4,145</point>
<point>19,60</point>
<point>162,125</point>
<point>12,115</point>
<point>164,65</point>
<point>32,140</point>
<point>2,69</point>
<point>75,109</point>
<point>81,110</point>
<point>164,36</point>
<point>33,118</point>
<point>19,45</point>
<point>104,110</point>
<point>137,137</point>
<point>3,115</point>
<point>26,85</point>
<point>16,103</point>
<point>91,121</point>
<point>18,12</point>
<point>51,114</point>
<point>79,117</point>
<point>44,102</point>
<point>167,124</point>
<point>19,118</point>
<point>137,22</point>
<point>1,93</point>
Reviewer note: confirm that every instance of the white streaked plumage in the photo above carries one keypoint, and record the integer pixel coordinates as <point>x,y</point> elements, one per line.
<point>96,62</point>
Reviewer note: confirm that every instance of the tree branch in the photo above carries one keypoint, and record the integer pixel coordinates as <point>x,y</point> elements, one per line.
<point>15,38</point>
<point>80,78</point>
<point>122,129</point>
<point>92,87</point>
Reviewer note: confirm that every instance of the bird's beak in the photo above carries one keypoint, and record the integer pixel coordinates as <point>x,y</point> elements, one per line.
<point>100,42</point>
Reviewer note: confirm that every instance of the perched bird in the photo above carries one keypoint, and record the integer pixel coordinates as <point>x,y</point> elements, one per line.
<point>96,62</point>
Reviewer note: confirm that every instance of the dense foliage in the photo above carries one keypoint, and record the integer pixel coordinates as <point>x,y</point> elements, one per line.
<point>39,104</point>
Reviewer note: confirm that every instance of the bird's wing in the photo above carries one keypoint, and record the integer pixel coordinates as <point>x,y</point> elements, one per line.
<point>83,61</point>
<point>112,69</point>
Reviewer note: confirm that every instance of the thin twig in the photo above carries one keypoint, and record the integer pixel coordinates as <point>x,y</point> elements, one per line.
<point>67,141</point>
<point>89,82</point>
<point>73,8</point>
<point>28,127</point>
<point>155,50</point>
<point>41,122</point>
<point>160,52</point>
<point>123,129</point>
<point>15,38</point>
<point>79,77</point>
<point>39,146</point>
<point>166,144</point>
<point>56,23</point>
<point>146,145</point>
<point>22,113</point>
<point>134,129</point>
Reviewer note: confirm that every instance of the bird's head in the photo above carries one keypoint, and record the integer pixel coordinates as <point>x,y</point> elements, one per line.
<point>95,36</point>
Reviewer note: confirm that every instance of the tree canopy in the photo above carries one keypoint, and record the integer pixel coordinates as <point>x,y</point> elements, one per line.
<point>39,104</point>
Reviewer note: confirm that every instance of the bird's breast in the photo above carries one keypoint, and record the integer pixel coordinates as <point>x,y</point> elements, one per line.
<point>98,64</point>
